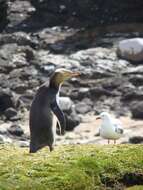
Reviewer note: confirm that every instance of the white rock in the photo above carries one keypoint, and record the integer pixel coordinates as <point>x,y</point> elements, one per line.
<point>8,140</point>
<point>65,103</point>
<point>1,139</point>
<point>131,49</point>
<point>4,139</point>
<point>23,144</point>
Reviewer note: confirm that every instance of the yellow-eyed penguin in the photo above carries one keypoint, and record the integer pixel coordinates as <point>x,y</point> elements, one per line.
<point>45,109</point>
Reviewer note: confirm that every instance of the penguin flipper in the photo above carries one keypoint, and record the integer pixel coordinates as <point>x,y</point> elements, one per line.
<point>60,116</point>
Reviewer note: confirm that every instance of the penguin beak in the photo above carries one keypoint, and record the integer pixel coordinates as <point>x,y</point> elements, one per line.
<point>75,74</point>
<point>98,117</point>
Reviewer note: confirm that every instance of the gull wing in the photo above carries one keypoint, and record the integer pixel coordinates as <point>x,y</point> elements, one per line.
<point>118,126</point>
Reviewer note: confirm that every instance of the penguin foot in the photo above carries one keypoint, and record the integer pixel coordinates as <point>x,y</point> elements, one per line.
<point>51,148</point>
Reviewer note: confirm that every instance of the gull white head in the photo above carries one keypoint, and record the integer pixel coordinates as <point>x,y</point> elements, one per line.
<point>104,116</point>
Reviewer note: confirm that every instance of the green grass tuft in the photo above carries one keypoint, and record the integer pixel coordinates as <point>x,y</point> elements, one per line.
<point>73,167</point>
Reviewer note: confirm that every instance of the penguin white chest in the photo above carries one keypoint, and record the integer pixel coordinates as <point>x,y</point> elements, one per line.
<point>55,120</point>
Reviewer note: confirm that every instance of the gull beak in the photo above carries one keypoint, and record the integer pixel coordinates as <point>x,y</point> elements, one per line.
<point>98,117</point>
<point>75,74</point>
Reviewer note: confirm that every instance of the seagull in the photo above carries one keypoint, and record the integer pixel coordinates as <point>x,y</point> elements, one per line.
<point>110,128</point>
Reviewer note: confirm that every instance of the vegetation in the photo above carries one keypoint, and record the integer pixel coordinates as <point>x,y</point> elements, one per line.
<point>72,167</point>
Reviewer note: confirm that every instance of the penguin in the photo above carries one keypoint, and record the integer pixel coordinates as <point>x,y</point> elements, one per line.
<point>45,111</point>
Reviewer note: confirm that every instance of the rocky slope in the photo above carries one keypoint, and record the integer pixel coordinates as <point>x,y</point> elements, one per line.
<point>39,36</point>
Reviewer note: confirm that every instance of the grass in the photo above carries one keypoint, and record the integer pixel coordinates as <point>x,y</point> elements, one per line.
<point>72,167</point>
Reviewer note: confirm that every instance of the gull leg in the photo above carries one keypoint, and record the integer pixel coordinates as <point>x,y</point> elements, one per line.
<point>108,141</point>
<point>114,141</point>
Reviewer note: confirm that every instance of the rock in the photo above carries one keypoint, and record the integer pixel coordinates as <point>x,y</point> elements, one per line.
<point>20,88</point>
<point>23,144</point>
<point>1,139</point>
<point>3,14</point>
<point>6,100</point>
<point>136,140</point>
<point>137,110</point>
<point>16,130</point>
<point>131,49</point>
<point>18,12</point>
<point>6,56</point>
<point>72,121</point>
<point>65,103</point>
<point>82,108</point>
<point>83,93</point>
<point>134,70</point>
<point>4,127</point>
<point>19,38</point>
<point>131,94</point>
<point>5,139</point>
<point>136,80</point>
<point>57,48</point>
<point>99,91</point>
<point>47,68</point>
<point>3,131</point>
<point>26,100</point>
<point>10,112</point>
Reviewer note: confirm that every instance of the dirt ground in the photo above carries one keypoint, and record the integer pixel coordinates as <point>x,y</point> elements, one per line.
<point>87,131</point>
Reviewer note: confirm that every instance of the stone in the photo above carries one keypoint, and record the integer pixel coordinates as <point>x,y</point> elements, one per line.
<point>10,112</point>
<point>65,103</point>
<point>3,131</point>
<point>3,14</point>
<point>23,144</point>
<point>83,93</point>
<point>3,128</point>
<point>5,59</point>
<point>47,68</point>
<point>15,130</point>
<point>20,88</point>
<point>136,140</point>
<point>57,48</point>
<point>99,91</point>
<point>83,108</point>
<point>136,80</point>
<point>5,139</point>
<point>1,139</point>
<point>131,49</point>
<point>72,121</point>
<point>137,110</point>
<point>131,94</point>
<point>6,99</point>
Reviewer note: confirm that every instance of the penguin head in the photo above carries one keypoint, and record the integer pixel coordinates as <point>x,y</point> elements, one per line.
<point>60,75</point>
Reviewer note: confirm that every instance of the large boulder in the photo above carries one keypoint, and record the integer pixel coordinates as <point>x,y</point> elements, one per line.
<point>65,103</point>
<point>131,49</point>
